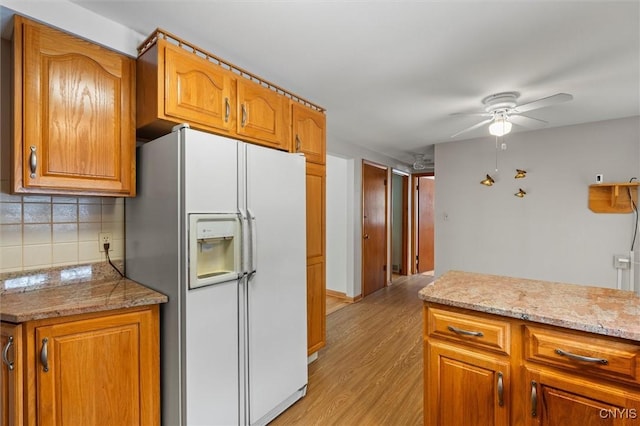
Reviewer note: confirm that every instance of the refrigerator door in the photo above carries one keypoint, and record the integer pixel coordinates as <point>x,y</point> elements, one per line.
<point>277,321</point>
<point>212,362</point>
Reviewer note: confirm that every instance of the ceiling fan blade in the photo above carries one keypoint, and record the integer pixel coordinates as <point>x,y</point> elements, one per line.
<point>524,121</point>
<point>544,102</point>
<point>476,114</point>
<point>475,126</point>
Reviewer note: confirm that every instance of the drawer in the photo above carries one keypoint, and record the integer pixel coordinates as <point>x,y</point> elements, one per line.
<point>469,329</point>
<point>597,356</point>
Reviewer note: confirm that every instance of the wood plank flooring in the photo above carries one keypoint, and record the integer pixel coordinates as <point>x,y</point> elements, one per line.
<point>370,372</point>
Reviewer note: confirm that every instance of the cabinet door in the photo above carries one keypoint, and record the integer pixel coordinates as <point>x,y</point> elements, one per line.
<point>74,104</point>
<point>101,370</point>
<point>561,400</point>
<point>263,115</point>
<point>316,288</point>
<point>308,133</point>
<point>463,387</point>
<point>11,374</point>
<point>197,91</point>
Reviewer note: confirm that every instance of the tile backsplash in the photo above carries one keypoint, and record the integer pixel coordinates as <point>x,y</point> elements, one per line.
<point>47,231</point>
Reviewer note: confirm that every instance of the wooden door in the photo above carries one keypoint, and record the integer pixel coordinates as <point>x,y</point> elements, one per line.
<point>465,388</point>
<point>98,371</point>
<point>558,400</point>
<point>374,228</point>
<point>399,223</point>
<point>316,288</point>
<point>11,375</point>
<point>74,106</point>
<point>263,115</point>
<point>197,91</point>
<point>308,133</point>
<point>425,227</point>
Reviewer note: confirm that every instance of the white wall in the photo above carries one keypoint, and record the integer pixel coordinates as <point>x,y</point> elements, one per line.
<point>353,185</point>
<point>550,234</point>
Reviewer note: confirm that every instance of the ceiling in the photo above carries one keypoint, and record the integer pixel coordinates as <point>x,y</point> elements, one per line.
<point>391,73</point>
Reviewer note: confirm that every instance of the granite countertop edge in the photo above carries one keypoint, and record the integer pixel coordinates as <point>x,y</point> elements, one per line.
<point>603,311</point>
<point>65,291</point>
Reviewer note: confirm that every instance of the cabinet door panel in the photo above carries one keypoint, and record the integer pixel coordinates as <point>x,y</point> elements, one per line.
<point>197,91</point>
<point>263,115</point>
<point>465,388</point>
<point>309,133</point>
<point>557,399</point>
<point>93,371</point>
<point>11,375</point>
<point>76,116</point>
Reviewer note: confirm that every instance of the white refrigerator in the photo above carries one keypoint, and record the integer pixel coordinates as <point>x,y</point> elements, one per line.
<point>233,346</point>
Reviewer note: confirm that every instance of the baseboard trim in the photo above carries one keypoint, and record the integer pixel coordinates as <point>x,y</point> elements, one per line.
<point>343,296</point>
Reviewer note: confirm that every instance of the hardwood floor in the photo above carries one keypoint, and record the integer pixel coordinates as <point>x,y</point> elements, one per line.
<point>370,372</point>
<point>336,303</point>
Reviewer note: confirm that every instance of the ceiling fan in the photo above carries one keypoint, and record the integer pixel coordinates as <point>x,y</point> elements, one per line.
<point>503,110</point>
<point>422,163</point>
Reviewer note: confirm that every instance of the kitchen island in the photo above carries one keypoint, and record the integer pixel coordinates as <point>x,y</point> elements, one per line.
<point>80,345</point>
<point>510,351</point>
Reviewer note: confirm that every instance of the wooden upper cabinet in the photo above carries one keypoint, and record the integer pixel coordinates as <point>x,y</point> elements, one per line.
<point>263,115</point>
<point>74,129</point>
<point>308,135</point>
<point>176,86</point>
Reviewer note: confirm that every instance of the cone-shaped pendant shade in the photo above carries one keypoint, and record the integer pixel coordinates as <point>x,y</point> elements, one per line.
<point>488,181</point>
<point>520,193</point>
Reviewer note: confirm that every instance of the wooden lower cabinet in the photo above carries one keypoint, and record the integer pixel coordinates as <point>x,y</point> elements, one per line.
<point>465,388</point>
<point>483,369</point>
<point>557,399</point>
<point>92,369</point>
<point>11,374</point>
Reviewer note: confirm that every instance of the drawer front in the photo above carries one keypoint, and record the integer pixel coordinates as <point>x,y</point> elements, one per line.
<point>598,356</point>
<point>469,329</point>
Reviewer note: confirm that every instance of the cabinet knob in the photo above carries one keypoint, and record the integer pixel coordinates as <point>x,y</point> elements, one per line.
<point>5,353</point>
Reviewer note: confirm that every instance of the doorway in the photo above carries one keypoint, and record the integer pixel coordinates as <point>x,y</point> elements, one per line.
<point>399,224</point>
<point>424,185</point>
<point>374,227</point>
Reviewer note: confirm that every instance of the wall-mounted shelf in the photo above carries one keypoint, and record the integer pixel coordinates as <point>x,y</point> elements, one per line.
<point>613,197</point>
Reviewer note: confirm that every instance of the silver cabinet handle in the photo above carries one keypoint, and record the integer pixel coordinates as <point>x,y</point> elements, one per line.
<point>5,353</point>
<point>298,143</point>
<point>227,110</point>
<point>244,115</point>
<point>534,399</point>
<point>33,161</point>
<point>464,332</point>
<point>44,356</point>
<point>581,357</point>
<point>500,390</point>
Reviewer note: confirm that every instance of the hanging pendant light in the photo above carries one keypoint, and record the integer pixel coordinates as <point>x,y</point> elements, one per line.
<point>488,181</point>
<point>520,193</point>
<point>520,174</point>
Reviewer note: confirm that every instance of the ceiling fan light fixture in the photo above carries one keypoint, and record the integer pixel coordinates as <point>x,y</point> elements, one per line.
<point>500,127</point>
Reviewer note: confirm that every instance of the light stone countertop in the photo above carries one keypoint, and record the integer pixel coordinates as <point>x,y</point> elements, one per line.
<point>80,289</point>
<point>605,311</point>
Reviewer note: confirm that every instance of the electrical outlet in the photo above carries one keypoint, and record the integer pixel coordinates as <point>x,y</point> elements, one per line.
<point>103,238</point>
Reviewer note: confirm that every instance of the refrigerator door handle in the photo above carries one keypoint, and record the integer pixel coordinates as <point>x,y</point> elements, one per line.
<point>253,249</point>
<point>245,231</point>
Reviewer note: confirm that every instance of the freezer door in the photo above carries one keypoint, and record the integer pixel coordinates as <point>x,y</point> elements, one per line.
<point>210,173</point>
<point>212,359</point>
<point>277,320</point>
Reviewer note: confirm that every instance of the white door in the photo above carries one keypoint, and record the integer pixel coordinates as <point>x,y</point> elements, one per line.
<point>277,320</point>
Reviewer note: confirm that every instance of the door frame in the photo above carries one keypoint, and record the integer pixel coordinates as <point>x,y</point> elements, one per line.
<point>414,219</point>
<point>387,197</point>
